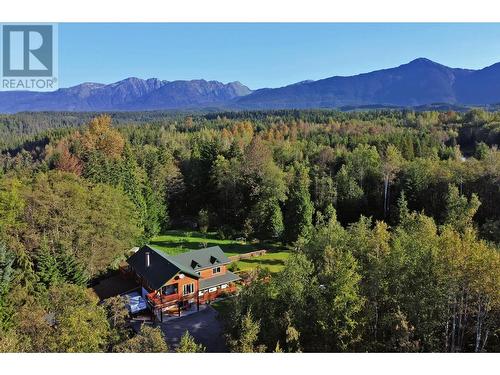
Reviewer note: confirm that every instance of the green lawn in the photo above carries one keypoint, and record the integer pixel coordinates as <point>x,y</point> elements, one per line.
<point>273,261</point>
<point>179,241</point>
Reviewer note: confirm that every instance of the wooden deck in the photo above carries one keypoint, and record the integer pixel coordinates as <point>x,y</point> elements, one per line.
<point>172,300</point>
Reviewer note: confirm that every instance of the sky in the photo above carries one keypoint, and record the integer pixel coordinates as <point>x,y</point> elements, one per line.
<point>263,55</point>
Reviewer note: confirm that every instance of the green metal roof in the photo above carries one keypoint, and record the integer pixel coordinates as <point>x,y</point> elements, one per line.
<point>164,267</point>
<point>161,268</point>
<point>196,260</point>
<point>218,280</point>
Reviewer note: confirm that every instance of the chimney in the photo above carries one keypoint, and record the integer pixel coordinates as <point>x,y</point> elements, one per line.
<point>148,261</point>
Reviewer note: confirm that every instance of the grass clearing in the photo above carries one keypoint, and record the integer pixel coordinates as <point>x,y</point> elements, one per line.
<point>179,241</point>
<point>273,261</point>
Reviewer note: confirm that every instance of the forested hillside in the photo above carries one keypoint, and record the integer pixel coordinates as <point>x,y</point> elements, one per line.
<point>392,218</point>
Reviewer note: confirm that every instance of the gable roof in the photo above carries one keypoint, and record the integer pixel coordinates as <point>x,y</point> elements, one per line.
<point>164,267</point>
<point>161,268</point>
<point>201,259</point>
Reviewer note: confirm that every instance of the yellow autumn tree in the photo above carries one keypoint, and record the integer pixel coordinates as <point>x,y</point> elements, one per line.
<point>100,136</point>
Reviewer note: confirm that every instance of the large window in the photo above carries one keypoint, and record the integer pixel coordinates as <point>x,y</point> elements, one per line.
<point>188,289</point>
<point>170,289</point>
<point>216,270</point>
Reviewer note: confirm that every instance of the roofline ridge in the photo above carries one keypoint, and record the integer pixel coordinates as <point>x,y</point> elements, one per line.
<point>160,253</point>
<point>170,259</point>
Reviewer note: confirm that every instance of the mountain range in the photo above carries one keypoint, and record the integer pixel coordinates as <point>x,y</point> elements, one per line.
<point>418,83</point>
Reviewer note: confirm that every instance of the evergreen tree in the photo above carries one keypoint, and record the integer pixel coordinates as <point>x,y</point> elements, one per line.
<point>341,301</point>
<point>47,268</point>
<point>132,182</point>
<point>350,195</point>
<point>70,269</point>
<point>298,208</point>
<point>6,269</point>
<point>278,349</point>
<point>6,279</point>
<point>267,219</point>
<point>100,169</point>
<point>188,345</point>
<point>403,211</point>
<point>156,213</point>
<point>248,336</point>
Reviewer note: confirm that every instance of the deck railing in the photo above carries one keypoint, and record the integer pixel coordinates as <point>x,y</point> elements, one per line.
<point>165,300</point>
<point>162,299</point>
<point>210,296</point>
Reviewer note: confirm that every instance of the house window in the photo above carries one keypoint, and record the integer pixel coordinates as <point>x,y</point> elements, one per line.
<point>188,289</point>
<point>170,289</point>
<point>216,270</point>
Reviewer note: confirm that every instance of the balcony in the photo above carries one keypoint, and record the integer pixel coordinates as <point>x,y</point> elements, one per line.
<point>158,300</point>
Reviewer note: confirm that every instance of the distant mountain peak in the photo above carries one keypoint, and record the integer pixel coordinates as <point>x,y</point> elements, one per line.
<point>418,83</point>
<point>89,85</point>
<point>303,82</point>
<point>422,60</point>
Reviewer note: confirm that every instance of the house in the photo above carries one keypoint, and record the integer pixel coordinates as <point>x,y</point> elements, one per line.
<point>172,283</point>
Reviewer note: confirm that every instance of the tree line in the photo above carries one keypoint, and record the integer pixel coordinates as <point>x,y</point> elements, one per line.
<point>392,218</point>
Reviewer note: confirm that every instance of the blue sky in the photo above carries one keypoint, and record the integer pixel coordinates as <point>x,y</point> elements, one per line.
<point>263,55</point>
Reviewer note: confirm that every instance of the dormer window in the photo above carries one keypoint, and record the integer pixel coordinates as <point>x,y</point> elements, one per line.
<point>216,270</point>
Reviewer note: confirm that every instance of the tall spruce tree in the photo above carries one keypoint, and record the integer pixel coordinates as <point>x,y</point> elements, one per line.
<point>403,211</point>
<point>6,269</point>
<point>6,278</point>
<point>70,269</point>
<point>267,219</point>
<point>47,266</point>
<point>298,208</point>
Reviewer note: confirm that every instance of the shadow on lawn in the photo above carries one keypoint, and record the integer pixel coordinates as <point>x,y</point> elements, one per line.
<point>264,262</point>
<point>195,245</point>
<point>182,240</point>
<point>192,233</point>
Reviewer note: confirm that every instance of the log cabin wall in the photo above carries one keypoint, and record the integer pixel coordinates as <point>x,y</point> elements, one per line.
<point>181,282</point>
<point>207,273</point>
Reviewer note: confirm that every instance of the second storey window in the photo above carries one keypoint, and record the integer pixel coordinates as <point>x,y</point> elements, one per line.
<point>216,270</point>
<point>188,289</point>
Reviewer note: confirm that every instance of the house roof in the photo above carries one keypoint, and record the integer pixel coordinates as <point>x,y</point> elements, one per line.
<point>161,268</point>
<point>196,260</point>
<point>164,267</point>
<point>218,280</point>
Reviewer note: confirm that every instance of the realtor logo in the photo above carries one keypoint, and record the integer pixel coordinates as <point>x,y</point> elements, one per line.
<point>28,57</point>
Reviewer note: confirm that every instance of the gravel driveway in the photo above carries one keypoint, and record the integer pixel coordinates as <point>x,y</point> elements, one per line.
<point>203,326</point>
